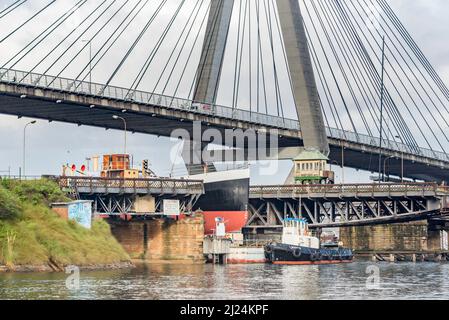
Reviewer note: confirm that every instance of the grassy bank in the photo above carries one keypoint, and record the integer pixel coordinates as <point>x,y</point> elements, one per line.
<point>32,234</point>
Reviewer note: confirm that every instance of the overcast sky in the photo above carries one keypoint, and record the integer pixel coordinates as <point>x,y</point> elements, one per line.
<point>49,145</point>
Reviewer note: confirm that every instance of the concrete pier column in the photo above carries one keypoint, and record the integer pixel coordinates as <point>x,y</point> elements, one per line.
<point>303,80</point>
<point>192,155</point>
<point>211,62</point>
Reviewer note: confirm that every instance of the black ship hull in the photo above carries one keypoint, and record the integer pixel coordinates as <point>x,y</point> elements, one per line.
<point>226,197</point>
<point>231,195</point>
<point>294,255</point>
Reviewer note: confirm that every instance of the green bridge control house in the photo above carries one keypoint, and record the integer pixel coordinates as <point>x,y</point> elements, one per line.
<point>311,167</point>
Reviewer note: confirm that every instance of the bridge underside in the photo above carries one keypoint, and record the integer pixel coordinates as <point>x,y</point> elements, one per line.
<point>25,101</point>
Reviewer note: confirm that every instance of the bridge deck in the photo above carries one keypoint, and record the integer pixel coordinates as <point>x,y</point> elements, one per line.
<point>347,191</point>
<point>83,103</point>
<point>89,185</point>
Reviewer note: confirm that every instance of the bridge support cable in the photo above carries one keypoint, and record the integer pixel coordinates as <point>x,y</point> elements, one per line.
<point>240,57</point>
<point>153,53</point>
<point>268,15</point>
<point>110,19</point>
<point>351,64</point>
<point>355,70</point>
<point>11,8</point>
<point>62,41</point>
<point>395,56</point>
<point>213,51</point>
<point>236,65</point>
<point>361,76</point>
<point>373,74</point>
<point>260,64</point>
<point>394,83</point>
<point>43,35</point>
<point>27,21</point>
<point>250,58</point>
<point>125,27</point>
<point>135,43</point>
<point>187,33</point>
<point>189,57</point>
<point>316,35</point>
<point>326,88</point>
<point>364,75</point>
<point>109,38</point>
<point>383,22</point>
<point>354,30</point>
<point>414,47</point>
<point>212,27</point>
<point>342,70</point>
<point>76,41</point>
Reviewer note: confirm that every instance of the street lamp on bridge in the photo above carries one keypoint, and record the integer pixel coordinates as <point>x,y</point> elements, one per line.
<point>402,158</point>
<point>385,168</point>
<point>90,63</point>
<point>115,117</point>
<point>24,145</point>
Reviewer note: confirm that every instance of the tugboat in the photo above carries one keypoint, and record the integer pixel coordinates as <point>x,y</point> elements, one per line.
<point>298,247</point>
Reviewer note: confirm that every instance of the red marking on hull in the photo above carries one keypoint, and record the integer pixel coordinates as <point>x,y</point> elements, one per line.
<point>245,261</point>
<point>234,220</point>
<point>304,263</point>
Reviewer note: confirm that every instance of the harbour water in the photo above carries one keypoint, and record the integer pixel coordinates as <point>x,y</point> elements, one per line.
<point>360,280</point>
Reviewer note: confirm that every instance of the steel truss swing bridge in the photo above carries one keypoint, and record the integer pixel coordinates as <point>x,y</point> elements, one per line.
<point>337,44</point>
<point>309,72</point>
<point>346,205</point>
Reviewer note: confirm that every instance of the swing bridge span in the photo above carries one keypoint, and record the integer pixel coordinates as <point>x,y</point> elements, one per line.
<point>343,77</point>
<point>322,205</point>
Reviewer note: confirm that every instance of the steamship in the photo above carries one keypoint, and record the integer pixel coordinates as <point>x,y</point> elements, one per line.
<point>226,197</point>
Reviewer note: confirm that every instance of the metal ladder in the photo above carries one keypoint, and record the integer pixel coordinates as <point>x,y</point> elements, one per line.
<point>73,191</point>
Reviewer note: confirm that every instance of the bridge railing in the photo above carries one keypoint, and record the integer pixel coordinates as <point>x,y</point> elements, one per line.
<point>323,190</point>
<point>163,185</point>
<point>137,96</point>
<point>142,97</point>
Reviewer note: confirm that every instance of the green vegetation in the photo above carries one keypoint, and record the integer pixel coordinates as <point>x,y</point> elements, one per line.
<point>32,234</point>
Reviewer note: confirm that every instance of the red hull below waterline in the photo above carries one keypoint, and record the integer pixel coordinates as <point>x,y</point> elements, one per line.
<point>246,261</point>
<point>234,220</point>
<point>305,263</point>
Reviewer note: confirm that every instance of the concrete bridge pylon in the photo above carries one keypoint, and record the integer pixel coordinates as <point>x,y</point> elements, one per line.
<point>299,62</point>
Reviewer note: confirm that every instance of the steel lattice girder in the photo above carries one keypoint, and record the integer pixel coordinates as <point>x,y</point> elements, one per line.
<point>340,212</point>
<point>113,205</point>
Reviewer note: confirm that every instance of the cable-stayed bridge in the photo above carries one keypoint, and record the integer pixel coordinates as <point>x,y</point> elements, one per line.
<point>311,70</point>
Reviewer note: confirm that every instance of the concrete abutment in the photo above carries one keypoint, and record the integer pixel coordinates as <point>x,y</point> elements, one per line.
<point>403,239</point>
<point>162,239</point>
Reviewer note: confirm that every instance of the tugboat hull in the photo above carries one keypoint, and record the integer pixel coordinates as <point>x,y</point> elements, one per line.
<point>294,255</point>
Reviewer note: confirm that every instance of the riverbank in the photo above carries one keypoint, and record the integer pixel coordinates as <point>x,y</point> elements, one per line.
<point>33,238</point>
<point>48,269</point>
